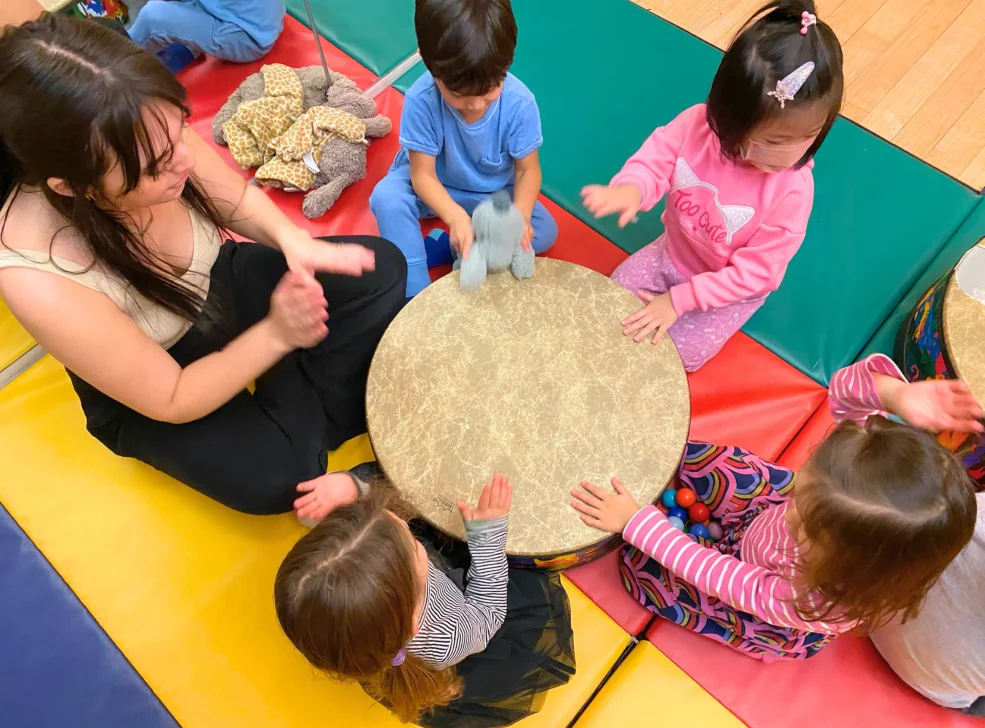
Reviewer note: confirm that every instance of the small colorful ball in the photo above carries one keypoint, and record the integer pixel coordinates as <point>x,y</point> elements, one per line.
<point>699,530</point>
<point>715,531</point>
<point>668,498</point>
<point>678,512</point>
<point>685,497</point>
<point>698,512</point>
<point>676,523</point>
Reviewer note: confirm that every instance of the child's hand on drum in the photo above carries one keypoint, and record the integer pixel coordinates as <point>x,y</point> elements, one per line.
<point>933,404</point>
<point>655,317</point>
<point>495,501</point>
<point>603,510</point>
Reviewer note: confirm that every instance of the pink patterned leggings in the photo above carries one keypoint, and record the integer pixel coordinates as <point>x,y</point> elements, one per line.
<point>699,335</point>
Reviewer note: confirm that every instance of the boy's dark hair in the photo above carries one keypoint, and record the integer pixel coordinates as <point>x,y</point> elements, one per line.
<point>767,48</point>
<point>468,45</point>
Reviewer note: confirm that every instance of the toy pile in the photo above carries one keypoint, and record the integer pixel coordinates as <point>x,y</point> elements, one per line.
<point>302,131</point>
<point>686,513</point>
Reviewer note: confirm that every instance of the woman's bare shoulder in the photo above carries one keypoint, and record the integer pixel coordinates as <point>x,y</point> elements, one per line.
<point>28,222</point>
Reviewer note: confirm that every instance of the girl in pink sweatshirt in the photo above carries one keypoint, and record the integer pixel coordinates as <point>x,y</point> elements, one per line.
<point>736,173</point>
<point>878,512</point>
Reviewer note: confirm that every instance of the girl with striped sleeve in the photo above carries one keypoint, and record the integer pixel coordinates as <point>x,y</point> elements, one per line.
<point>878,512</point>
<point>441,634</point>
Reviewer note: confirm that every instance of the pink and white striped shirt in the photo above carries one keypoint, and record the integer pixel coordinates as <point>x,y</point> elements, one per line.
<point>762,581</point>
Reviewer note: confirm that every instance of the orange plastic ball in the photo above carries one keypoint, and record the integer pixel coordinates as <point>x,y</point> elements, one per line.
<point>685,498</point>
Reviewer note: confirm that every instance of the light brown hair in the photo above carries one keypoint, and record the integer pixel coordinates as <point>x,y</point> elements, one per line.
<point>345,596</point>
<point>889,509</point>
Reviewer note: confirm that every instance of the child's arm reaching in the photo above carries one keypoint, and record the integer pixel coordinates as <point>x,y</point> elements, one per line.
<point>742,586</point>
<point>464,624</point>
<point>526,191</point>
<point>646,176</point>
<point>427,186</point>
<point>875,385</point>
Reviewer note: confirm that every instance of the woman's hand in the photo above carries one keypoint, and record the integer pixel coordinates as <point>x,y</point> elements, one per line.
<point>306,255</point>
<point>601,200</point>
<point>656,316</point>
<point>495,501</point>
<point>935,404</point>
<point>298,311</point>
<point>603,510</point>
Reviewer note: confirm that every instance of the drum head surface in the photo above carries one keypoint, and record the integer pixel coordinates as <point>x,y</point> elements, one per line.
<point>964,319</point>
<point>533,379</point>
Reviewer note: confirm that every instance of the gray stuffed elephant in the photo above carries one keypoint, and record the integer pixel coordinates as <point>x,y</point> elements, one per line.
<point>341,162</point>
<point>498,226</point>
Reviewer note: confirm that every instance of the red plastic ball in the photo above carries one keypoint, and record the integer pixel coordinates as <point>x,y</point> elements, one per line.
<point>685,497</point>
<point>698,513</point>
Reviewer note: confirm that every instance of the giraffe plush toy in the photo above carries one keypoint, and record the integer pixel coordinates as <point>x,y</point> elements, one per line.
<point>322,149</point>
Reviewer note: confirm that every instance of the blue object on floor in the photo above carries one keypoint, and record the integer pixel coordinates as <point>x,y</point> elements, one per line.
<point>437,246</point>
<point>176,56</point>
<point>57,666</point>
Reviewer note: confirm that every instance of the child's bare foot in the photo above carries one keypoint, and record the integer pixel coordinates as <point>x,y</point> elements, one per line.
<point>322,495</point>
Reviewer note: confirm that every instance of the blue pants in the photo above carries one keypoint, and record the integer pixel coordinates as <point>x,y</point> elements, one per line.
<point>163,22</point>
<point>398,213</point>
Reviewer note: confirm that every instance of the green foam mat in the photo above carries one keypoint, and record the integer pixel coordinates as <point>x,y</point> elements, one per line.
<point>967,236</point>
<point>377,33</point>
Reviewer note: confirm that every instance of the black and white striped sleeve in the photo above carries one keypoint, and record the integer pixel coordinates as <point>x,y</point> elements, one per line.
<point>455,625</point>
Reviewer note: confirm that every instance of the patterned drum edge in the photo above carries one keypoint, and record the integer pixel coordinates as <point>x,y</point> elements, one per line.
<point>922,353</point>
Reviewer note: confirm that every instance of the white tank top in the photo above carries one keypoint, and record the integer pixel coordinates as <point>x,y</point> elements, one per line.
<point>157,323</point>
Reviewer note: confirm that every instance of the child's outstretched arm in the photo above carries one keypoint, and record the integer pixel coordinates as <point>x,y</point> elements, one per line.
<point>646,176</point>
<point>467,622</point>
<point>525,192</point>
<point>742,586</point>
<point>875,385</point>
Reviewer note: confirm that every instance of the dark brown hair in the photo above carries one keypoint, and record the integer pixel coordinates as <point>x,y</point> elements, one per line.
<point>468,45</point>
<point>72,93</point>
<point>889,509</point>
<point>346,595</point>
<point>767,48</point>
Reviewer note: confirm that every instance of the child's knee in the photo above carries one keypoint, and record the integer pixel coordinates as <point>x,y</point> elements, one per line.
<point>545,229</point>
<point>392,196</point>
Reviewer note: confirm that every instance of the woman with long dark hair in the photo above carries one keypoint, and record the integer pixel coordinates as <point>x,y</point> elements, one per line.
<point>111,256</point>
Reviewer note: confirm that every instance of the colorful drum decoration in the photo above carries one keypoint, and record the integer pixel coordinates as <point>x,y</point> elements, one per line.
<point>533,379</point>
<point>944,338</point>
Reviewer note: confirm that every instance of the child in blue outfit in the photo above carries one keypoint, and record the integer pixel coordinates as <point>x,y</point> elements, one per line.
<point>233,30</point>
<point>468,129</point>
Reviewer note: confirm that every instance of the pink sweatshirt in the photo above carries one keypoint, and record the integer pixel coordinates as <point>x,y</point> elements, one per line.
<point>762,581</point>
<point>731,228</point>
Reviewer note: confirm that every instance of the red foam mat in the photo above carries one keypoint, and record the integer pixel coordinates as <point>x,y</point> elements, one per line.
<point>846,684</point>
<point>813,432</point>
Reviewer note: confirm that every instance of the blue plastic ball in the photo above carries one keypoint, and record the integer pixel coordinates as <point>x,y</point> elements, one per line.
<point>676,523</point>
<point>668,497</point>
<point>700,530</point>
<point>678,512</point>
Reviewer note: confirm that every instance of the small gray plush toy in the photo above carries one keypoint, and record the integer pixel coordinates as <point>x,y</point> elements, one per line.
<point>498,226</point>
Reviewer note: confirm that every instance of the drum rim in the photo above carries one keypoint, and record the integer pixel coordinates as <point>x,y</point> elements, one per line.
<point>514,553</point>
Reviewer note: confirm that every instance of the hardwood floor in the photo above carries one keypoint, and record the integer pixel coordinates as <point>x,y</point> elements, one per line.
<point>914,69</point>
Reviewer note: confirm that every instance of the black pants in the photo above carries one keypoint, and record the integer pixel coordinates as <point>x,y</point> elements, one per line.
<point>251,453</point>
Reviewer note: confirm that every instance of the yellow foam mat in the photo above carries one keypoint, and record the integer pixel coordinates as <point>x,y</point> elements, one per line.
<point>14,340</point>
<point>184,586</point>
<point>650,690</point>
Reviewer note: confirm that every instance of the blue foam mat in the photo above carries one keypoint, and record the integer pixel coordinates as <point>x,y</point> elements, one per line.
<point>58,669</point>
